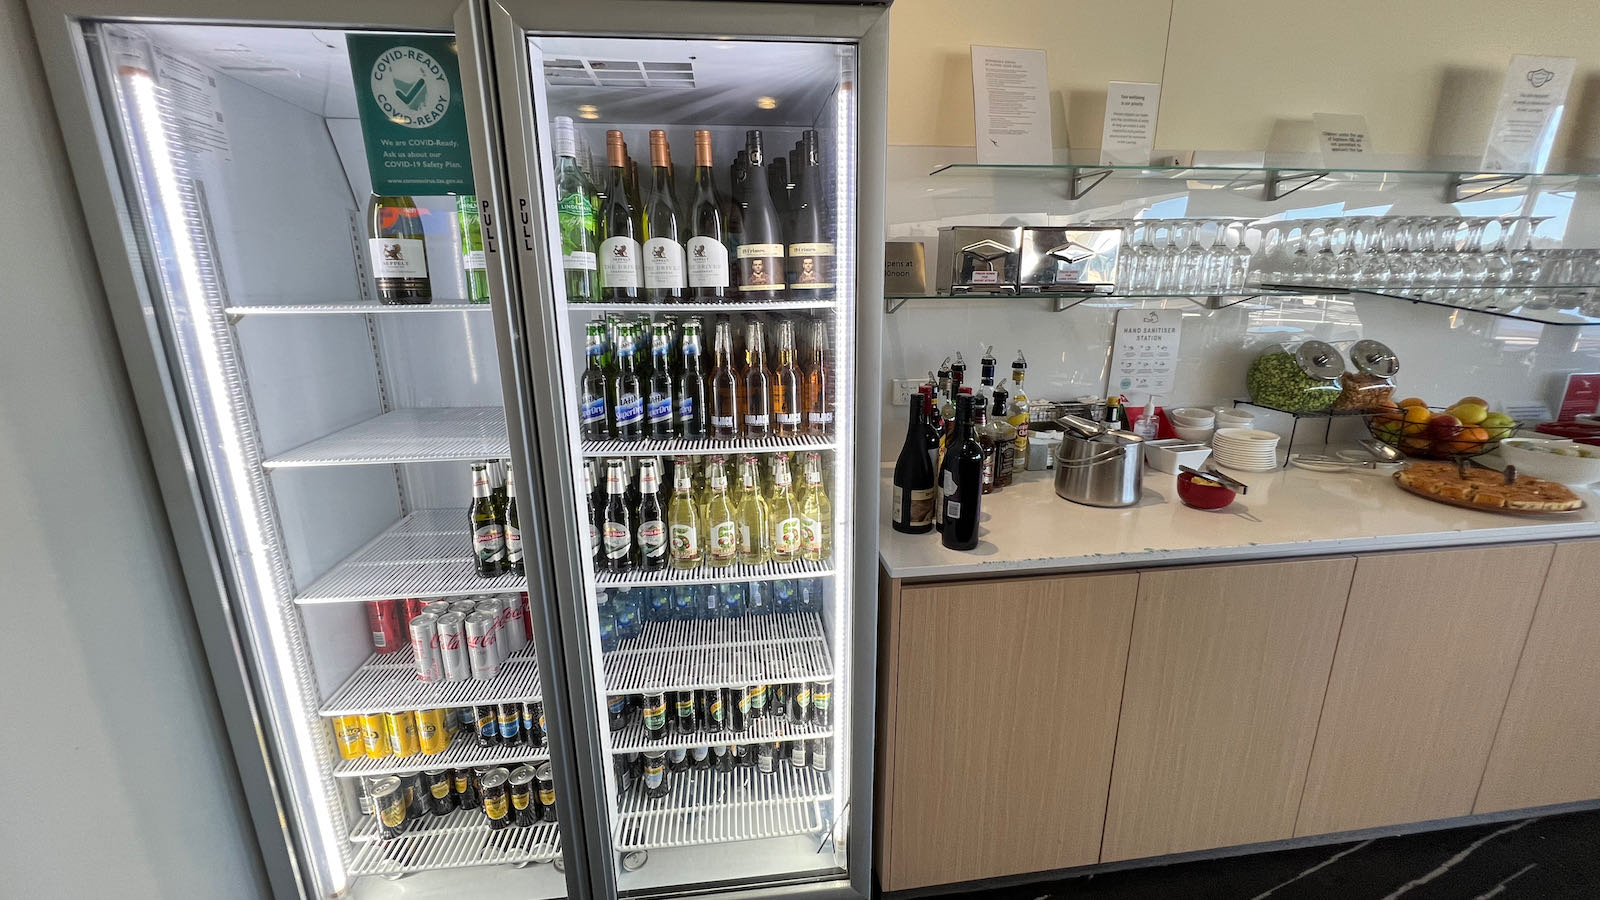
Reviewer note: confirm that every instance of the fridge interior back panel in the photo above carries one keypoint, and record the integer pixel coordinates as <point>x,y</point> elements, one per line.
<point>334,437</point>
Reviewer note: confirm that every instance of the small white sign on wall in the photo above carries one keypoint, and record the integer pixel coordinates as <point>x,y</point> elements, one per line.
<point>1129,130</point>
<point>1346,144</point>
<point>1010,106</point>
<point>1532,101</point>
<point>1144,352</point>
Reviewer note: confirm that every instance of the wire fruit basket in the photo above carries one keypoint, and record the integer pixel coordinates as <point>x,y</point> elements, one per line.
<point>1437,435</point>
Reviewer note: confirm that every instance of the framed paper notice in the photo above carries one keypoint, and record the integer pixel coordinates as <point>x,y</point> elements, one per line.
<point>1144,351</point>
<point>1010,106</point>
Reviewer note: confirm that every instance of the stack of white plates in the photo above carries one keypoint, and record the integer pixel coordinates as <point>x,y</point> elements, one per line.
<point>1245,449</point>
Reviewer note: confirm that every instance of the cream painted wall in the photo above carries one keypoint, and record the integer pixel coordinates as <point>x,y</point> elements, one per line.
<point>1425,74</point>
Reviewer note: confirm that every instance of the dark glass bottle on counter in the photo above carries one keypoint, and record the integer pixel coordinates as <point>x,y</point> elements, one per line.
<point>961,481</point>
<point>914,487</point>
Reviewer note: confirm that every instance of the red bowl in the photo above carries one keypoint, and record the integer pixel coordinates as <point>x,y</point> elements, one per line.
<point>1203,496</point>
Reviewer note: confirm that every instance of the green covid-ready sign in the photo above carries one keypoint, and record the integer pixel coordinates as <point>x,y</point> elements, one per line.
<point>413,119</point>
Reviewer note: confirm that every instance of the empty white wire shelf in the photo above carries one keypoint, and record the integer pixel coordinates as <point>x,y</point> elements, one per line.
<point>767,728</point>
<point>465,841</point>
<point>709,807</point>
<point>687,447</point>
<point>683,655</point>
<point>708,575</point>
<point>434,434</point>
<point>345,309</point>
<point>389,683</point>
<point>463,751</point>
<point>426,554</point>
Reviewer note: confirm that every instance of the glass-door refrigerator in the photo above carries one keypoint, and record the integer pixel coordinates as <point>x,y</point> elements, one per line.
<point>698,194</point>
<point>312,297</point>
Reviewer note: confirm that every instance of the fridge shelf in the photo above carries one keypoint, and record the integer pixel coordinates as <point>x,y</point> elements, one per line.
<point>463,751</point>
<point>709,807</point>
<point>687,447</point>
<point>427,553</point>
<point>767,728</point>
<point>737,306</point>
<point>685,655</point>
<point>706,575</point>
<point>451,846</point>
<point>346,309</point>
<point>390,684</point>
<point>432,434</point>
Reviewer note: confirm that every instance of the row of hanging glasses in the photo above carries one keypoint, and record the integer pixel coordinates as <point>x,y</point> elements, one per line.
<point>1182,256</point>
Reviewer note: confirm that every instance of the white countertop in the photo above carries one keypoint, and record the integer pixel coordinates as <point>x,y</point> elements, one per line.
<point>1027,529</point>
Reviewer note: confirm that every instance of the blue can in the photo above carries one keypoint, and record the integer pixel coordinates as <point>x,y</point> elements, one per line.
<point>757,598</point>
<point>783,596</point>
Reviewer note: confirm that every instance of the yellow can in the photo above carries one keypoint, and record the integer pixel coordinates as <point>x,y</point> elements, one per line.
<point>348,735</point>
<point>432,735</point>
<point>402,733</point>
<point>375,735</point>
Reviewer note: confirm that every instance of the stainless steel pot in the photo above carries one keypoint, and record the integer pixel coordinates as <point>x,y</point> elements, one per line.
<point>1104,470</point>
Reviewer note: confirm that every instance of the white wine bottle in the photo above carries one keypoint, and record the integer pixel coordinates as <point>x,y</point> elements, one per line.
<point>399,259</point>
<point>664,279</point>
<point>620,270</point>
<point>708,256</point>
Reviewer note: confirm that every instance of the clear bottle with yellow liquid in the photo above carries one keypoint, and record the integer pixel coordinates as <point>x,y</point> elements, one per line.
<point>755,524</point>
<point>816,513</point>
<point>784,512</point>
<point>686,537</point>
<point>1017,408</point>
<point>722,543</point>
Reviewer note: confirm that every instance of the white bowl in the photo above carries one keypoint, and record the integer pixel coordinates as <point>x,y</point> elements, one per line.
<point>1188,433</point>
<point>1542,464</point>
<point>1192,416</point>
<point>1225,420</point>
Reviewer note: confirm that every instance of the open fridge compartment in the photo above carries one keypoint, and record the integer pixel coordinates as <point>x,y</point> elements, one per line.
<point>462,838</point>
<point>425,554</point>
<point>782,648</point>
<point>709,807</point>
<point>462,753</point>
<point>381,685</point>
<point>439,434</point>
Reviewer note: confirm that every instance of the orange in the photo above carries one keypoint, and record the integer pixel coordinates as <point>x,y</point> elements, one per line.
<point>1472,438</point>
<point>1416,419</point>
<point>1413,401</point>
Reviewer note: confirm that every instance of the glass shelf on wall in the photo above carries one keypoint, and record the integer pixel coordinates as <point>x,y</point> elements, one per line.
<point>1065,301</point>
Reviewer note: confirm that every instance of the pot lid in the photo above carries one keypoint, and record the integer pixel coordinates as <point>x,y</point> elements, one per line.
<point>1374,358</point>
<point>1319,359</point>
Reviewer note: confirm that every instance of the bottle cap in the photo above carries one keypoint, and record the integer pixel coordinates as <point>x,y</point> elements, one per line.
<point>566,137</point>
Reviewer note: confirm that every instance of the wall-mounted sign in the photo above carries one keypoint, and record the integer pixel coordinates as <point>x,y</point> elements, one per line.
<point>413,119</point>
<point>1010,105</point>
<point>1346,144</point>
<point>1129,130</point>
<point>1144,352</point>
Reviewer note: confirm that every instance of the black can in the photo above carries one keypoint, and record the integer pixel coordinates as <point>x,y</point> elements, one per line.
<point>700,757</point>
<point>778,700</point>
<point>465,786</point>
<point>544,783</point>
<point>819,754</point>
<point>736,708</point>
<point>389,799</point>
<point>441,798</point>
<point>617,712</point>
<point>636,766</point>
<point>722,758</point>
<point>799,703</point>
<point>416,795</point>
<point>744,755</point>
<point>508,723</point>
<point>822,703</point>
<point>766,757</point>
<point>677,759</point>
<point>760,697</point>
<point>533,724</point>
<point>655,717</point>
<point>797,754</point>
<point>496,798</point>
<point>524,809</point>
<point>685,715</point>
<point>488,733</point>
<point>655,773</point>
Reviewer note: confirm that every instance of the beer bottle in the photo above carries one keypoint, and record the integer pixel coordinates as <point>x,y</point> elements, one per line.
<point>627,392</point>
<point>594,517</point>
<point>754,522</point>
<point>497,489</point>
<point>757,383</point>
<point>816,513</point>
<point>818,404</point>
<point>652,519</point>
<point>725,388</point>
<point>512,531</point>
<point>473,263</point>
<point>659,410</point>
<point>687,541</point>
<point>786,396</point>
<point>593,408</point>
<point>616,536</point>
<point>722,546</point>
<point>655,774</point>
<point>488,541</point>
<point>693,415</point>
<point>786,527</point>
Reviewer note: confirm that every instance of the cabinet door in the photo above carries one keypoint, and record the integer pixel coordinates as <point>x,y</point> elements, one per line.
<point>1005,719</point>
<point>1225,679</point>
<point>1547,749</point>
<point>1427,653</point>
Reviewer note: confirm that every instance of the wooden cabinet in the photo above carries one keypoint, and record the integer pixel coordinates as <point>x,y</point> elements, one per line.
<point>998,724</point>
<point>1225,678</point>
<point>1547,749</point>
<point>1426,657</point>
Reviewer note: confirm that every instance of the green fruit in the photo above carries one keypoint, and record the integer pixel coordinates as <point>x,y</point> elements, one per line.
<point>1499,426</point>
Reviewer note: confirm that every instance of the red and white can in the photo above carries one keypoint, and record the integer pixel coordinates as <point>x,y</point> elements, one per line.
<point>527,617</point>
<point>425,644</point>
<point>465,607</point>
<point>515,633</point>
<point>410,609</point>
<point>437,607</point>
<point>453,647</point>
<point>496,607</point>
<point>388,634</point>
<point>482,655</point>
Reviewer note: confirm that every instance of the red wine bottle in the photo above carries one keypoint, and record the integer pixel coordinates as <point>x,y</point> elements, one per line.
<point>914,485</point>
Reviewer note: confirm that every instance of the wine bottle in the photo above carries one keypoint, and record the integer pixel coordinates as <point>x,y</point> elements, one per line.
<point>810,243</point>
<point>619,250</point>
<point>725,388</point>
<point>398,256</point>
<point>474,265</point>
<point>575,215</point>
<point>664,279</point>
<point>733,220</point>
<point>760,253</point>
<point>818,401</point>
<point>707,254</point>
<point>961,481</point>
<point>693,410</point>
<point>786,396</point>
<point>911,508</point>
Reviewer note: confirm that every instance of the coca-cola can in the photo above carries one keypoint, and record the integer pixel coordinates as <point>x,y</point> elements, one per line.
<point>496,607</point>
<point>515,633</point>
<point>482,654</point>
<point>453,647</point>
<point>437,607</point>
<point>425,645</point>
<point>388,634</point>
<point>413,607</point>
<point>465,607</point>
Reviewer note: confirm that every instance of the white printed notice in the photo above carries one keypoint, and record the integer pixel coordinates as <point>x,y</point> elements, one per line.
<point>1010,106</point>
<point>1345,141</point>
<point>191,91</point>
<point>1531,103</point>
<point>1144,352</point>
<point>1130,126</point>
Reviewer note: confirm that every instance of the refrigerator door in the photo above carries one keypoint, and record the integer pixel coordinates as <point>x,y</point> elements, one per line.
<point>727,691</point>
<point>315,438</point>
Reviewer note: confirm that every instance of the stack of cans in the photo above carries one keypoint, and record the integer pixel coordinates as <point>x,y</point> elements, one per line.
<point>454,640</point>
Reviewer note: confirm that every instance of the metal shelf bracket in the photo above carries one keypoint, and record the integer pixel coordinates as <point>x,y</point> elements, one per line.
<point>1464,187</point>
<point>894,304</point>
<point>1277,181</point>
<point>1082,181</point>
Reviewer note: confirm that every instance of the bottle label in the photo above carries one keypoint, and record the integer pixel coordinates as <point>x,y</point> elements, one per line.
<point>630,409</point>
<point>755,421</point>
<point>686,408</point>
<point>660,408</point>
<point>653,538</point>
<point>820,418</point>
<point>764,760</point>
<point>747,542</point>
<point>760,267</point>
<point>952,510</point>
<point>398,257</point>
<point>655,715</point>
<point>922,503</point>
<point>787,418</point>
<point>685,543</point>
<point>786,536</point>
<point>594,538</point>
<point>619,262</point>
<point>897,507</point>
<point>513,544</point>
<point>520,800</point>
<point>581,260</point>
<point>988,469</point>
<point>547,796</point>
<point>708,263</point>
<point>494,805</point>
<point>812,265</point>
<point>654,773</point>
<point>819,756</point>
<point>811,531</point>
<point>616,541</point>
<point>663,263</point>
<point>489,542</point>
<point>473,261</point>
<point>593,411</point>
<point>722,541</point>
<point>797,754</point>
<point>722,421</point>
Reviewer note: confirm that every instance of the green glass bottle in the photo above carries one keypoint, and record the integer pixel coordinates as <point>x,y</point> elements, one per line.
<point>576,208</point>
<point>472,259</point>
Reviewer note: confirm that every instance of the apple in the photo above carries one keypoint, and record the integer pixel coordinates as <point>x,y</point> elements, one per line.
<point>1444,427</point>
<point>1469,413</point>
<point>1499,425</point>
